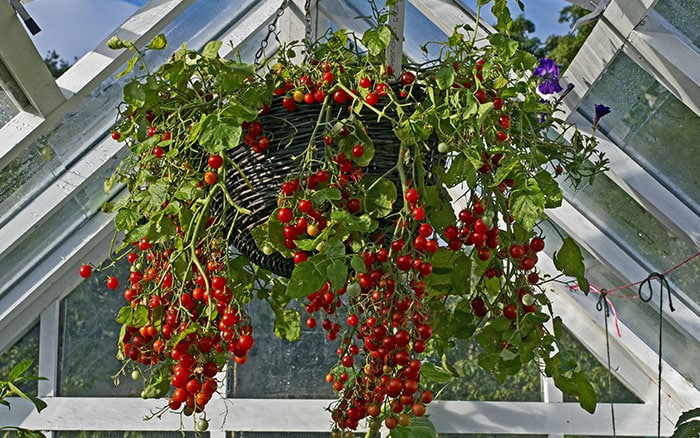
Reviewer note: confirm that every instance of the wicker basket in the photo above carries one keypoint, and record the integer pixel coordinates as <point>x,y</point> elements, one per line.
<point>265,172</point>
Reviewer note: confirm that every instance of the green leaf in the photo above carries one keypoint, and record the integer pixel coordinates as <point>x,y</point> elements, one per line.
<point>579,386</point>
<point>19,369</point>
<point>693,414</point>
<point>307,278</point>
<point>26,433</point>
<point>116,43</point>
<point>218,135</point>
<point>328,194</point>
<point>460,170</point>
<point>334,248</point>
<point>134,94</point>
<point>445,77</point>
<point>158,43</point>
<point>380,196</point>
<point>124,315</point>
<point>438,207</point>
<point>436,374</point>
<point>550,188</point>
<point>158,384</point>
<point>130,64</point>
<point>358,264</point>
<point>337,273</point>
<point>377,40</point>
<point>211,49</point>
<point>505,47</point>
<point>287,324</point>
<point>139,317</point>
<point>38,403</point>
<point>527,204</point>
<point>363,224</point>
<point>570,261</point>
<point>420,427</point>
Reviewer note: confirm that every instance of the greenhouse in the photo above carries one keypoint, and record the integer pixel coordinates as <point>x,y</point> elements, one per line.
<point>308,218</point>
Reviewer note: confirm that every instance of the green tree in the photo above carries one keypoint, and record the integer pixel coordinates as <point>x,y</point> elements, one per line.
<point>522,30</point>
<point>563,48</point>
<point>57,65</point>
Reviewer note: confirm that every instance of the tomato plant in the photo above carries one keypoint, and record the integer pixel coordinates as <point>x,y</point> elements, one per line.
<point>358,220</point>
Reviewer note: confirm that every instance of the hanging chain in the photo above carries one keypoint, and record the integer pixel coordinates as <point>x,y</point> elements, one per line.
<point>271,28</point>
<point>308,31</point>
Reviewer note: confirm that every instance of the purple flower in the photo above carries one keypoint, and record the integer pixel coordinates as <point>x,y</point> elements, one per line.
<point>549,72</point>
<point>600,111</point>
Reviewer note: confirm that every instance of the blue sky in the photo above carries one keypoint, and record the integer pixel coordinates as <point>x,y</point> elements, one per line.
<point>73,27</point>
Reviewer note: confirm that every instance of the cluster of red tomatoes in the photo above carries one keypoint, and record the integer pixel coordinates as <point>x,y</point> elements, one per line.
<point>187,331</point>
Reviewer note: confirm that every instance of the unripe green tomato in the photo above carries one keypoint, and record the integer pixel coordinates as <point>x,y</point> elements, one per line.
<point>528,299</point>
<point>443,147</point>
<point>267,250</point>
<point>202,424</point>
<point>354,289</point>
<point>136,374</point>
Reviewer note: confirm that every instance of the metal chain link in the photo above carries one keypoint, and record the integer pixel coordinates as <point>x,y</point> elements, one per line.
<point>308,31</point>
<point>271,28</point>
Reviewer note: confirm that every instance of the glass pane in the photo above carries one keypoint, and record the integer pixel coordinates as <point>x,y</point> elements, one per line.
<point>26,348</point>
<point>475,383</point>
<point>683,15</point>
<point>612,209</point>
<point>638,316</point>
<point>7,108</point>
<point>41,240</point>
<point>88,344</point>
<point>597,373</point>
<point>650,124</point>
<point>280,369</point>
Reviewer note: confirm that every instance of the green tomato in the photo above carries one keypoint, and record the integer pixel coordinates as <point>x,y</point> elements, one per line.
<point>136,374</point>
<point>527,299</point>
<point>202,424</point>
<point>443,147</point>
<point>354,289</point>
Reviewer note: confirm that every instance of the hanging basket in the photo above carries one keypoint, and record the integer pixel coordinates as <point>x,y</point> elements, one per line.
<point>290,133</point>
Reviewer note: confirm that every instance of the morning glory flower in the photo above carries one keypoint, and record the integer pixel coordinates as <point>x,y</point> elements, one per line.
<point>549,72</point>
<point>600,111</point>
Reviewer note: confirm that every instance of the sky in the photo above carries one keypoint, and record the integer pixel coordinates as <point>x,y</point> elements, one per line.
<point>74,27</point>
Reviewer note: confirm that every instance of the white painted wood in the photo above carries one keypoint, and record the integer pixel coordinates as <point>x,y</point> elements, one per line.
<point>248,25</point>
<point>590,62</point>
<point>394,52</point>
<point>447,14</point>
<point>48,349</point>
<point>26,66</point>
<point>672,60</point>
<point>258,415</point>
